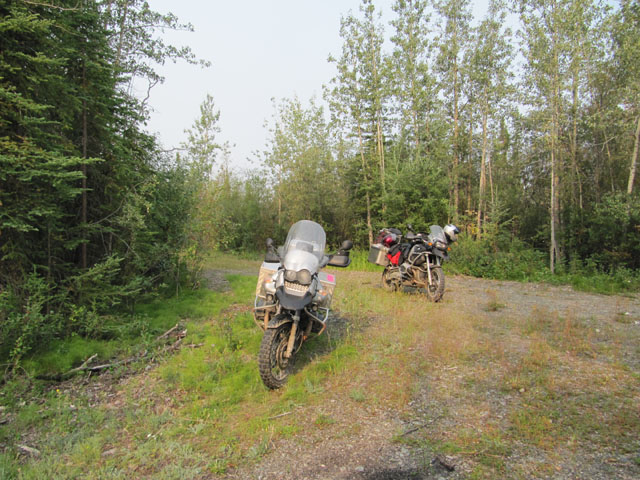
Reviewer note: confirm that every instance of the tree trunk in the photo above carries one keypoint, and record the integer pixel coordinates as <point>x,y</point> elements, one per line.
<point>489,164</point>
<point>634,159</point>
<point>382,164</point>
<point>123,21</point>
<point>364,174</point>
<point>554,250</point>
<point>574,148</point>
<point>553,246</point>
<point>483,180</point>
<point>85,140</point>
<point>470,165</point>
<point>456,159</point>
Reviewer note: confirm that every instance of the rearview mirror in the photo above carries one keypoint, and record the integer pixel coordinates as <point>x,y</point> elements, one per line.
<point>338,260</point>
<point>341,259</point>
<point>346,245</point>
<point>272,255</point>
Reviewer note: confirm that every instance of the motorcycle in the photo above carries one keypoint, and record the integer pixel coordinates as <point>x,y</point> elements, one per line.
<point>293,297</point>
<point>417,262</point>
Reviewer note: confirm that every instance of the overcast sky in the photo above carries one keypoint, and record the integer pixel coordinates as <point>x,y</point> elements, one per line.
<point>259,50</point>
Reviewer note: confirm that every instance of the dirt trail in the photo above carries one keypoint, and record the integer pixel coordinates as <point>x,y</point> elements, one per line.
<point>359,443</point>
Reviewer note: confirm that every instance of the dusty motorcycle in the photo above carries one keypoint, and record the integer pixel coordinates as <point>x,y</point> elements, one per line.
<point>416,261</point>
<point>293,297</point>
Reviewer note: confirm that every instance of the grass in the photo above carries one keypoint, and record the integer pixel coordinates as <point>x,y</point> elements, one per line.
<point>527,385</point>
<point>189,395</point>
<point>505,395</point>
<point>198,412</point>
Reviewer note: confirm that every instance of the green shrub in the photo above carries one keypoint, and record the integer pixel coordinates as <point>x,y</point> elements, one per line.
<point>26,317</point>
<point>489,259</point>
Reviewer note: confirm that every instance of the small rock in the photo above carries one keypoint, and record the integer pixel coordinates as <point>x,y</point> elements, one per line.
<point>34,452</point>
<point>360,469</point>
<point>109,452</point>
<point>521,390</point>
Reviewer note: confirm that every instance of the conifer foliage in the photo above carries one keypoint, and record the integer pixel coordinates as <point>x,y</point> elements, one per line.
<point>89,215</point>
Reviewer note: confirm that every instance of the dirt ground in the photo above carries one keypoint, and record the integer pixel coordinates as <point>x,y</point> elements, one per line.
<point>362,441</point>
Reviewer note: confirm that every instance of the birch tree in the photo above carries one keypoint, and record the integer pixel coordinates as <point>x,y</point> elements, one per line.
<point>357,98</point>
<point>490,73</point>
<point>452,42</point>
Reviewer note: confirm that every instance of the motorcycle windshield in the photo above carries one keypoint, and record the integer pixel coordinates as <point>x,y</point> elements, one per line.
<point>437,233</point>
<point>307,236</point>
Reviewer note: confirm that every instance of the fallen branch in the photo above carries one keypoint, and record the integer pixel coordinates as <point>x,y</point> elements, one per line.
<point>278,416</point>
<point>168,332</point>
<point>414,429</point>
<point>174,345</point>
<point>86,368</point>
<point>83,366</point>
<point>180,335</point>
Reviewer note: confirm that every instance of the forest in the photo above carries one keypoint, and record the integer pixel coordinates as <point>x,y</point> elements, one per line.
<point>522,128</point>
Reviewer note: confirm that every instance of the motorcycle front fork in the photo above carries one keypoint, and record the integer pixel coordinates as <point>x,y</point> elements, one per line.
<point>292,335</point>
<point>436,262</point>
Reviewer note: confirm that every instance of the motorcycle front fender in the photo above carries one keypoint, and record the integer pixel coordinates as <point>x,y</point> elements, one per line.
<point>440,253</point>
<point>293,302</point>
<point>279,320</point>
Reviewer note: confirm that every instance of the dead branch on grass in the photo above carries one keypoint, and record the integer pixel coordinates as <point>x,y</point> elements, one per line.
<point>85,367</point>
<point>414,429</point>
<point>168,332</point>
<point>280,415</point>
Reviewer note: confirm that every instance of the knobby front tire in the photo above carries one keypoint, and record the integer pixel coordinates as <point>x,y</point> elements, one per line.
<point>273,365</point>
<point>435,291</point>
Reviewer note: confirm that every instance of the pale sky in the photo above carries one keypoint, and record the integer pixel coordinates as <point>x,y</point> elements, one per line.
<point>259,49</point>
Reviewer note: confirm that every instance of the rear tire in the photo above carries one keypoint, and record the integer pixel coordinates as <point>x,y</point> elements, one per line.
<point>273,365</point>
<point>387,282</point>
<point>435,291</point>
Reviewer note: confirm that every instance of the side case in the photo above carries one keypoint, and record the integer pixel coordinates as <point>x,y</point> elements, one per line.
<point>267,269</point>
<point>325,292</point>
<point>378,254</point>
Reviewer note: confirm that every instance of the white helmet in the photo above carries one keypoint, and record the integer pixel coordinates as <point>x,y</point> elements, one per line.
<point>451,231</point>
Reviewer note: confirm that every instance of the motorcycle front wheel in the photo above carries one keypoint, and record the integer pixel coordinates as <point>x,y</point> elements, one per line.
<point>273,365</point>
<point>435,290</point>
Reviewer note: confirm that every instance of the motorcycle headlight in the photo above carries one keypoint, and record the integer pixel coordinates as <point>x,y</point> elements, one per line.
<point>290,275</point>
<point>304,277</point>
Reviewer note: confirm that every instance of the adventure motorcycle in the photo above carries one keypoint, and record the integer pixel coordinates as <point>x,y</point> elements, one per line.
<point>416,262</point>
<point>293,297</point>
